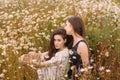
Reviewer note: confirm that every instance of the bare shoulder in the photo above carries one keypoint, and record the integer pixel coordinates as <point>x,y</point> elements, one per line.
<point>84,53</point>
<point>82,47</point>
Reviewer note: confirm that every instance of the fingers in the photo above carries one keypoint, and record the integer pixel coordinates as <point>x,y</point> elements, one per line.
<point>31,58</point>
<point>35,55</point>
<point>32,52</point>
<point>25,59</point>
<point>21,58</point>
<point>36,64</point>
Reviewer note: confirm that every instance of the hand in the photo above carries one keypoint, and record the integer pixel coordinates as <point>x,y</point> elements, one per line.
<point>35,56</point>
<point>36,64</point>
<point>21,58</point>
<point>26,59</point>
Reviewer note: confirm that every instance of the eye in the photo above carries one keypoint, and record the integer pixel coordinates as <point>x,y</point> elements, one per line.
<point>59,40</point>
<point>54,39</point>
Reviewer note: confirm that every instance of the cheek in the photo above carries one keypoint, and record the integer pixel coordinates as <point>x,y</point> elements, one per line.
<point>57,43</point>
<point>61,43</point>
<point>69,30</point>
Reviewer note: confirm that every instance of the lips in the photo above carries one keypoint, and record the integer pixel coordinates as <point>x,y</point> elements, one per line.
<point>56,46</point>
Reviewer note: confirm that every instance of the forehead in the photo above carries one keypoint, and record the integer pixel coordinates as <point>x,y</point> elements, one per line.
<point>67,22</point>
<point>58,36</point>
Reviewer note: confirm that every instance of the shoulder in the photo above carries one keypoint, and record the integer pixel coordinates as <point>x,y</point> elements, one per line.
<point>82,47</point>
<point>82,44</point>
<point>66,51</point>
<point>63,52</point>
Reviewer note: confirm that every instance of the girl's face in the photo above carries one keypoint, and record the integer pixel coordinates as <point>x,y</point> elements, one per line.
<point>59,42</point>
<point>68,28</point>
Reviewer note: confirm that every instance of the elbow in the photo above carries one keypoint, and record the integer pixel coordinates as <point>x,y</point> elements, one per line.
<point>86,63</point>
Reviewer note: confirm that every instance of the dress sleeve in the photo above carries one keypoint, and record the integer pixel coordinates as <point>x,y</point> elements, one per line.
<point>55,60</point>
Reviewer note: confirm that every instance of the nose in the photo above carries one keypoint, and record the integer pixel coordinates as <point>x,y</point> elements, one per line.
<point>65,27</point>
<point>55,42</point>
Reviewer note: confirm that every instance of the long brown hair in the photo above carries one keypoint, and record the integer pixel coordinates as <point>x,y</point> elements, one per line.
<point>52,50</point>
<point>78,27</point>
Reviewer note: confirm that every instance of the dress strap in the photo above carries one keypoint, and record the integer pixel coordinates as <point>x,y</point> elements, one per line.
<point>76,46</point>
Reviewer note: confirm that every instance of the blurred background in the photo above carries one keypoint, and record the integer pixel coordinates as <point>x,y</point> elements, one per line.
<point>26,25</point>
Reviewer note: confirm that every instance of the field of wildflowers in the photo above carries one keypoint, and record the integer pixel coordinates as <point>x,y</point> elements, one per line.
<point>26,25</point>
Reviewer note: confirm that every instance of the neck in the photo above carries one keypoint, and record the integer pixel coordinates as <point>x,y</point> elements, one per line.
<point>61,48</point>
<point>76,38</point>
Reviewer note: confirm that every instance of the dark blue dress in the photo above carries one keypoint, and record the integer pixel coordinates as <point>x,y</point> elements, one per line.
<point>75,60</point>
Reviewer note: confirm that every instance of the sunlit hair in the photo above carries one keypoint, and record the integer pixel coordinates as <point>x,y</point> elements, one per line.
<point>78,27</point>
<point>52,50</point>
<point>77,24</point>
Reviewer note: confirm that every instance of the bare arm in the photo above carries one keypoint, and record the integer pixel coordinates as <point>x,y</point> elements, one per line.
<point>38,55</point>
<point>31,56</point>
<point>43,55</point>
<point>41,64</point>
<point>56,60</point>
<point>83,52</point>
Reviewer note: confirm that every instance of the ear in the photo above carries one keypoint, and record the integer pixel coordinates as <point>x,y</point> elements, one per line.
<point>65,40</point>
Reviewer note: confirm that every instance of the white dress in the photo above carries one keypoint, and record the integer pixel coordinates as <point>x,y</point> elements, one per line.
<point>58,67</point>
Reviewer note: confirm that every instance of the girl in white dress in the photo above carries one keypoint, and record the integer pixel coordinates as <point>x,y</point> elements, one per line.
<point>55,68</point>
<point>55,61</point>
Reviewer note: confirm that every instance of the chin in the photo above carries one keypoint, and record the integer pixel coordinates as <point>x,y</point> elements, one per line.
<point>68,33</point>
<point>57,47</point>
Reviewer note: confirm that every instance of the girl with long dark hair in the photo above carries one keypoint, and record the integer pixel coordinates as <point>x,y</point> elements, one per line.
<point>55,60</point>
